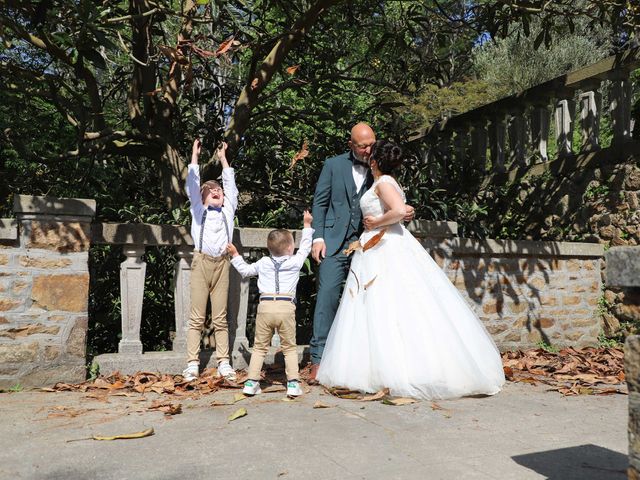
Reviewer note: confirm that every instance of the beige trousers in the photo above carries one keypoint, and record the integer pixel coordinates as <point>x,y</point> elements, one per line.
<point>209,280</point>
<point>280,316</point>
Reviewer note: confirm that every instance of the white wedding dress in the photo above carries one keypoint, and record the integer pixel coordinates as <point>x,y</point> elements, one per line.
<point>402,324</point>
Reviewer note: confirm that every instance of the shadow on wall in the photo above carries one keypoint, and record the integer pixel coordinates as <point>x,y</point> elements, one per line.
<point>583,462</point>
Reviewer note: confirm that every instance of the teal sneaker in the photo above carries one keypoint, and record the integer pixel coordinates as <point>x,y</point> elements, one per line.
<point>293,388</point>
<point>251,387</point>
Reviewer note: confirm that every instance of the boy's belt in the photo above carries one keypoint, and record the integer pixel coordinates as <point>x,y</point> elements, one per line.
<point>286,298</point>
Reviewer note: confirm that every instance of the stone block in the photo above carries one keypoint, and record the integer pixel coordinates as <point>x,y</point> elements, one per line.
<point>3,320</point>
<point>544,322</point>
<point>27,330</point>
<point>51,352</point>
<point>517,307</point>
<point>28,204</point>
<point>19,286</point>
<point>61,292</point>
<point>623,267</point>
<point>18,352</point>
<point>9,304</point>
<point>45,263</point>
<point>4,259</point>
<point>8,229</point>
<point>62,237</point>
<point>76,344</point>
<point>548,300</point>
<point>571,300</point>
<point>538,283</point>
<point>49,375</point>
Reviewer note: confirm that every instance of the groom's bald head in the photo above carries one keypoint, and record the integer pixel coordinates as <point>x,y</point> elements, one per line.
<point>362,139</point>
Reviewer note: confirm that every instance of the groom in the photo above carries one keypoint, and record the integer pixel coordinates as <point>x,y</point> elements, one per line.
<point>337,221</point>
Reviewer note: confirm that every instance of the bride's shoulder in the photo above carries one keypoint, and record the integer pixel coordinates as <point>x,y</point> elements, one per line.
<point>388,179</point>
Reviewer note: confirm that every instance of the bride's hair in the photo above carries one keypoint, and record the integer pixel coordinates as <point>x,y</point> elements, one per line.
<point>388,156</point>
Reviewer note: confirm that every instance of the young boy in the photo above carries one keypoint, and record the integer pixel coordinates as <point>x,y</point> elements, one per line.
<point>277,281</point>
<point>212,212</point>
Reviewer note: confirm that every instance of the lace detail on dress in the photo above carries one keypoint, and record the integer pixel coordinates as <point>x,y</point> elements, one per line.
<point>371,204</point>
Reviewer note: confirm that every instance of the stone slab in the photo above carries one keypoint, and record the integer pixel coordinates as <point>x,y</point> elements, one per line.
<point>28,204</point>
<point>433,229</point>
<point>623,266</point>
<point>8,229</point>
<point>525,248</point>
<point>175,362</point>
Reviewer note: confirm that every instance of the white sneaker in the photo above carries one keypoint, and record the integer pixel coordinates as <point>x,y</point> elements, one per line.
<point>293,388</point>
<point>251,387</point>
<point>225,370</point>
<point>191,372</point>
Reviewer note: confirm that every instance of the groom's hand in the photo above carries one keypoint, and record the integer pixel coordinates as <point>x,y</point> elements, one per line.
<point>319,250</point>
<point>410,213</point>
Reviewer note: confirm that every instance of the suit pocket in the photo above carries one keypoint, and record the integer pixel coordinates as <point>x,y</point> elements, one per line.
<point>329,222</point>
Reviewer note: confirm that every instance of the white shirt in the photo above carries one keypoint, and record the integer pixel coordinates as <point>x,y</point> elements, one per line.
<point>288,274</point>
<point>216,235</point>
<point>359,173</point>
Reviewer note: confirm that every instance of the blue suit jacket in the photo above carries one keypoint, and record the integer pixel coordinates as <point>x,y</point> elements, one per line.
<point>332,201</point>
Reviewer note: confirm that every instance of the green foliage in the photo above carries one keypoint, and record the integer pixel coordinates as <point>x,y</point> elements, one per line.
<point>16,388</point>
<point>547,347</point>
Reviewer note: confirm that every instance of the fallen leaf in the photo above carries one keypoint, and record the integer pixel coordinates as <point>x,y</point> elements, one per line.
<point>435,406</point>
<point>167,408</point>
<point>274,388</point>
<point>376,396</point>
<point>508,372</point>
<point>319,404</point>
<point>220,404</point>
<point>370,282</point>
<point>241,412</point>
<point>239,396</point>
<point>126,436</point>
<point>399,401</point>
<point>292,69</point>
<point>373,241</point>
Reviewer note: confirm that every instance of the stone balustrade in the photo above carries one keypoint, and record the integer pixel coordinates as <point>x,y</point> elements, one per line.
<point>516,129</point>
<point>524,292</point>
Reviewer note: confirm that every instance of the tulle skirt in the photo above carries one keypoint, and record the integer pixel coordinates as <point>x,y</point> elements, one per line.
<point>403,325</point>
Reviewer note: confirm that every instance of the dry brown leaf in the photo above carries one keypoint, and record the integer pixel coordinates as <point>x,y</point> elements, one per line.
<point>125,436</point>
<point>435,406</point>
<point>292,69</point>
<point>376,396</point>
<point>225,46</point>
<point>353,247</point>
<point>167,408</point>
<point>319,404</point>
<point>274,388</point>
<point>399,401</point>
<point>373,241</point>
<point>370,282</point>
<point>303,153</point>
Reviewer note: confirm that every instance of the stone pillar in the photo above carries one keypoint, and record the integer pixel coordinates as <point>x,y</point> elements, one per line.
<point>497,139</point>
<point>182,296</point>
<point>44,291</point>
<point>517,139</point>
<point>479,145</point>
<point>238,308</point>
<point>460,148</point>
<point>620,107</point>
<point>590,105</point>
<point>132,272</point>
<point>540,131</point>
<point>564,116</point>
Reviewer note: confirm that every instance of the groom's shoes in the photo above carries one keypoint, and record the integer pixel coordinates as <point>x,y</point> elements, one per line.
<point>313,373</point>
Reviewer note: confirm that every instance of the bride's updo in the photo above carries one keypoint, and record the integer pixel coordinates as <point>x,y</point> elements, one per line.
<point>388,156</point>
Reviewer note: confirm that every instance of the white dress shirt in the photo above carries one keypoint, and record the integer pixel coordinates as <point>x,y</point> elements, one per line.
<point>289,271</point>
<point>216,235</point>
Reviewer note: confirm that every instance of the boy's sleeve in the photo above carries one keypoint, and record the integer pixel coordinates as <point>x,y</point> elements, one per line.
<point>245,269</point>
<point>297,261</point>
<point>230,189</point>
<point>193,185</point>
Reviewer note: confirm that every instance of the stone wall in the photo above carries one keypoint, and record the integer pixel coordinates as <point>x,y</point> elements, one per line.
<point>623,272</point>
<point>44,288</point>
<point>527,292</point>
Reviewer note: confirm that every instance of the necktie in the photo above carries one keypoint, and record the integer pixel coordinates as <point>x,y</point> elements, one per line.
<point>217,209</point>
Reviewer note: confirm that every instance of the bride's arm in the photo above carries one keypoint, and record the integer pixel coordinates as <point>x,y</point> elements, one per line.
<point>396,207</point>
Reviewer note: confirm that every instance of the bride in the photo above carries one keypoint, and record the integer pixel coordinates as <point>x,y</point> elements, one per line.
<point>401,324</point>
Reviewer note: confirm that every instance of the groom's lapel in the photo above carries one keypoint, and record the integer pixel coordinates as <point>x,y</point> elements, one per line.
<point>347,175</point>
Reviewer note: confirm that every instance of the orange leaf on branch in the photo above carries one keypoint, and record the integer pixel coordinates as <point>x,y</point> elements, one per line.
<point>224,46</point>
<point>303,153</point>
<point>292,69</point>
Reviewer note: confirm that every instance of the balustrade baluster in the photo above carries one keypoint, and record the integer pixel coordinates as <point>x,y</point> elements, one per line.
<point>564,116</point>
<point>182,297</point>
<point>497,140</point>
<point>132,272</point>
<point>620,106</point>
<point>590,105</point>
